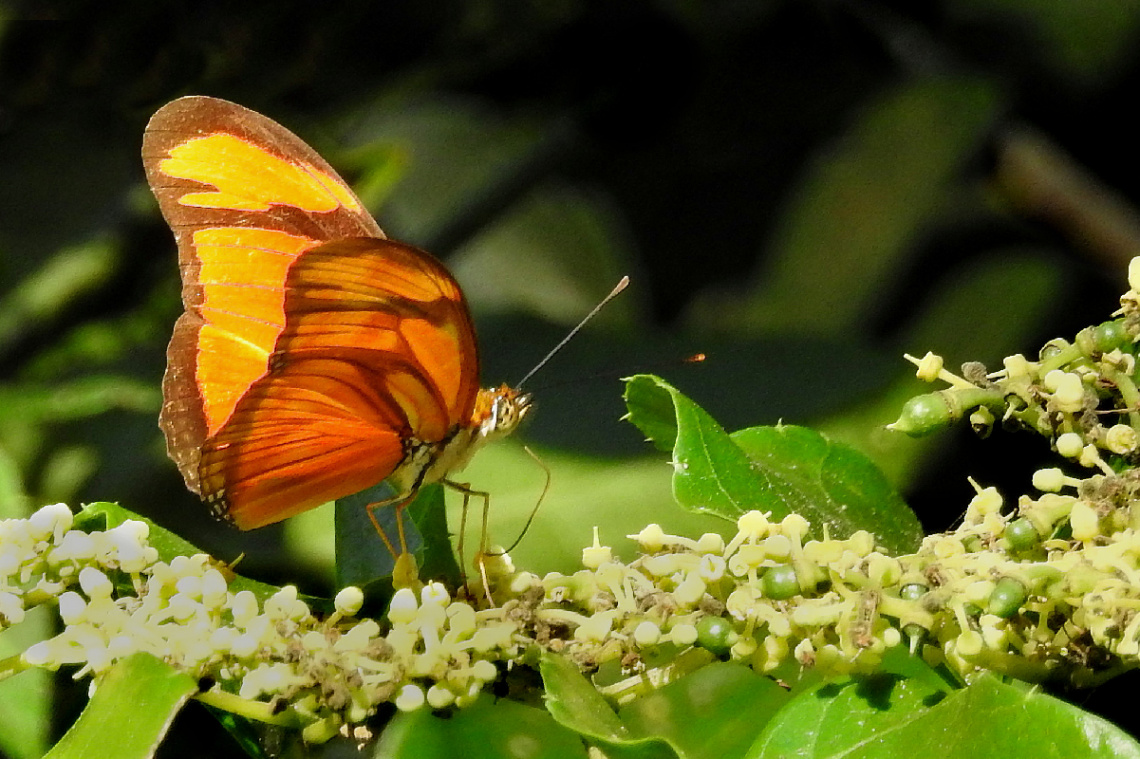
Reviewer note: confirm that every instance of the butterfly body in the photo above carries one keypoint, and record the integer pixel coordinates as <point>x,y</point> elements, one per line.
<point>315,357</point>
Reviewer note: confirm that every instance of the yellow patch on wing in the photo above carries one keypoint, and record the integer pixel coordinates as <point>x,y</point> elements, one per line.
<point>249,178</point>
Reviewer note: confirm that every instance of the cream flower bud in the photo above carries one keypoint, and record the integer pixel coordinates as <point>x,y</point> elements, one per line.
<point>651,538</point>
<point>50,521</point>
<point>11,609</point>
<point>94,583</point>
<point>243,607</point>
<point>189,586</point>
<point>753,524</point>
<point>11,557</point>
<point>214,590</point>
<point>403,608</point>
<point>596,555</point>
<point>41,654</point>
<point>709,543</point>
<point>410,698</point>
<point>1049,480</point>
<point>1068,390</point>
<point>969,643</point>
<point>484,671</point>
<point>439,697</point>
<point>1070,445</point>
<point>1084,521</point>
<point>929,367</point>
<point>74,546</point>
<point>683,634</point>
<point>349,600</point>
<point>777,547</point>
<point>71,607</point>
<point>662,565</point>
<point>1016,366</point>
<point>794,526</point>
<point>690,591</point>
<point>435,594</point>
<point>647,634</point>
<point>1134,274</point>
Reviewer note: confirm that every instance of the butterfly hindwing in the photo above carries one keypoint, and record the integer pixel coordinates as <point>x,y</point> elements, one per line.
<point>377,352</point>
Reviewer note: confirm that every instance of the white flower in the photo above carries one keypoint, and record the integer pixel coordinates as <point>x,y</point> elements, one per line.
<point>50,521</point>
<point>411,697</point>
<point>349,600</point>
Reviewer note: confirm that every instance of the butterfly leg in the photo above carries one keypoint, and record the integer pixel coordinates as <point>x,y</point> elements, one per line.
<point>481,554</point>
<point>405,573</point>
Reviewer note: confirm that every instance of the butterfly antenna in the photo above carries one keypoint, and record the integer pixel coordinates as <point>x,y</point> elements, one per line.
<point>621,285</point>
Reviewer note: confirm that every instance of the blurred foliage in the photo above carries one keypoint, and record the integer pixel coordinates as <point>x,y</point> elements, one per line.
<point>800,191</point>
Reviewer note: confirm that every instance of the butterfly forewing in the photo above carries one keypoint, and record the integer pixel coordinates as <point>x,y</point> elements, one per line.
<point>312,351</point>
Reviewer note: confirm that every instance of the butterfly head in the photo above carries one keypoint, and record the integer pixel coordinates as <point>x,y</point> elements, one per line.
<point>499,411</point>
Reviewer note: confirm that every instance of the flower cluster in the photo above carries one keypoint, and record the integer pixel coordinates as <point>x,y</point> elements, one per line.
<point>1081,395</point>
<point>764,596</point>
<point>115,598</point>
<point>42,557</point>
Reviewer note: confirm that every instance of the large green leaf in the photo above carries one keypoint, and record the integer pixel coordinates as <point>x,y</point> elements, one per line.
<point>711,701</point>
<point>888,716</point>
<point>782,469</point>
<point>830,483</point>
<point>130,712</point>
<point>489,729</point>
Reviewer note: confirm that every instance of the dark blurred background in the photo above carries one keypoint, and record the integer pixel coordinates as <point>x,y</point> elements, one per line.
<point>800,190</point>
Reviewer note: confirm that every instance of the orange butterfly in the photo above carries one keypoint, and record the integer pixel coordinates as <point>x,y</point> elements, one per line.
<point>315,357</point>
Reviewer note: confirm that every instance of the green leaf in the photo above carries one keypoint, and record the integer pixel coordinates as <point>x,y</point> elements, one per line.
<point>699,715</point>
<point>830,483</point>
<point>576,703</point>
<point>781,469</point>
<point>489,729</point>
<point>710,472</point>
<point>130,711</point>
<point>25,696</point>
<point>890,716</point>
<point>836,718</point>
<point>44,295</point>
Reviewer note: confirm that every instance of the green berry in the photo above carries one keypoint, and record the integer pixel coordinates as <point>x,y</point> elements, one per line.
<point>1007,597</point>
<point>912,591</point>
<point>1021,535</point>
<point>924,414</point>
<point>780,583</point>
<point>1109,336</point>
<point>714,635</point>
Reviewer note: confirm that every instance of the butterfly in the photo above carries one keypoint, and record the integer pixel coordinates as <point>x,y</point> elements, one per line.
<point>315,357</point>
